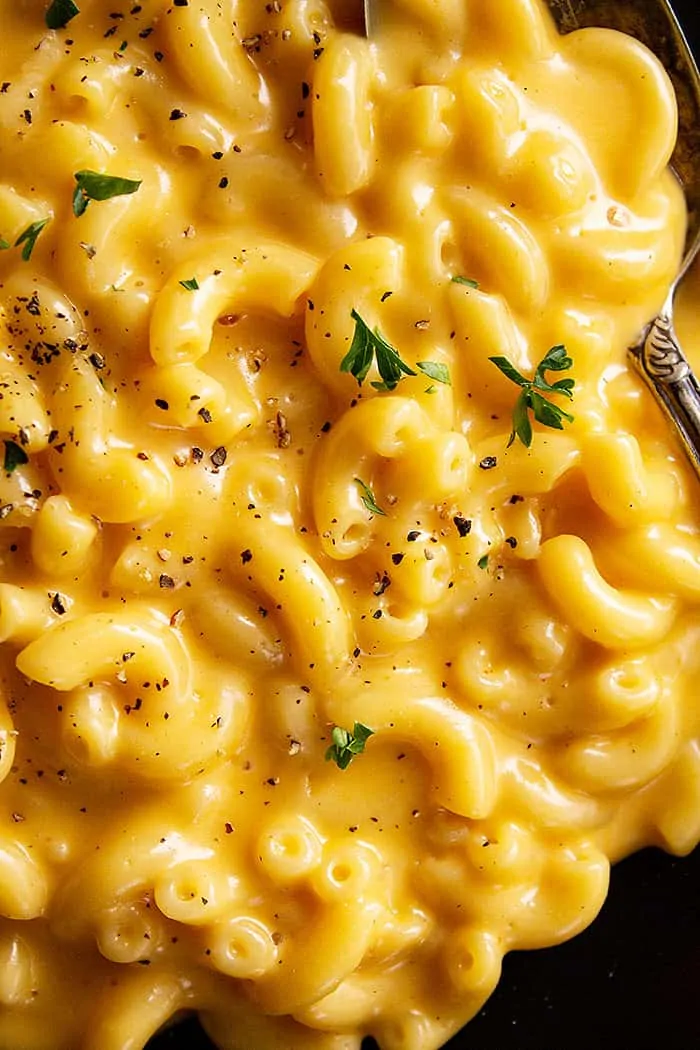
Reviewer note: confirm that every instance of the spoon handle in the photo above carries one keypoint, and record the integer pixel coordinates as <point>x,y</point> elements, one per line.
<point>662,364</point>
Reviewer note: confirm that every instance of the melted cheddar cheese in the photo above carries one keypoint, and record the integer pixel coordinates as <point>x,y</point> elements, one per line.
<point>217,545</point>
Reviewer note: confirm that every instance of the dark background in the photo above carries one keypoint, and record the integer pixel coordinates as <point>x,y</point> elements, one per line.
<point>632,980</point>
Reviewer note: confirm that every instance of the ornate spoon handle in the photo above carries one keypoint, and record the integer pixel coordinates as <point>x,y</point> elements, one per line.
<point>662,364</point>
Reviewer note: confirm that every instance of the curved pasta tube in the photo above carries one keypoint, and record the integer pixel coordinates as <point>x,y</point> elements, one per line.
<point>25,613</point>
<point>520,28</point>
<point>388,428</point>
<point>63,541</point>
<point>242,947</point>
<point>92,647</point>
<point>623,485</point>
<point>211,60</point>
<point>500,249</point>
<point>651,125</point>
<point>551,174</point>
<point>231,276</point>
<point>342,115</point>
<point>677,807</point>
<point>195,892</point>
<point>486,328</point>
<point>189,393</point>
<point>629,759</point>
<point>314,967</point>
<point>459,747</point>
<point>473,960</point>
<point>660,552</point>
<point>420,117</point>
<point>22,413</point>
<point>610,617</point>
<point>24,886</point>
<point>128,933</point>
<point>540,798</point>
<point>347,870</point>
<point>108,479</point>
<point>354,278</point>
<point>153,665</point>
<point>7,740</point>
<point>133,1009</point>
<point>289,848</point>
<point>303,594</point>
<point>617,694</point>
<point>490,110</point>
<point>89,91</point>
<point>17,971</point>
<point>572,891</point>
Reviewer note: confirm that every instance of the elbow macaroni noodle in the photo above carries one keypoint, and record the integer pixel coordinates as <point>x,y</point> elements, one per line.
<point>216,546</point>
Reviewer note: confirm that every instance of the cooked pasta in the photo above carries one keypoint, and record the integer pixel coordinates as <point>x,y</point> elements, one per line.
<point>328,678</point>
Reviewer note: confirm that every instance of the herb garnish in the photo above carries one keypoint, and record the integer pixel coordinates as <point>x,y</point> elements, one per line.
<point>29,237</point>
<point>483,561</point>
<point>530,398</point>
<point>92,186</point>
<point>369,345</point>
<point>60,12</point>
<point>367,497</point>
<point>4,245</point>
<point>435,370</point>
<point>191,285</point>
<point>469,281</point>
<point>346,745</point>
<point>15,456</point>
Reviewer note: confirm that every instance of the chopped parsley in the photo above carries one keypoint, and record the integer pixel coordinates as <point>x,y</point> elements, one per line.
<point>469,281</point>
<point>190,285</point>
<point>434,370</point>
<point>369,345</point>
<point>29,238</point>
<point>483,561</point>
<point>531,397</point>
<point>92,186</point>
<point>367,497</point>
<point>60,12</point>
<point>346,745</point>
<point>4,245</point>
<point>15,456</point>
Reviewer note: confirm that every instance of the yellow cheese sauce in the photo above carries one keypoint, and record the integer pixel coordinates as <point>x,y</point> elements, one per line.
<point>217,545</point>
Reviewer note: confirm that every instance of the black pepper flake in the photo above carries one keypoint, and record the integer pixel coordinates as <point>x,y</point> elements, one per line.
<point>162,403</point>
<point>5,510</point>
<point>488,462</point>
<point>385,296</point>
<point>181,3</point>
<point>381,584</point>
<point>246,556</point>
<point>377,614</point>
<point>512,542</point>
<point>197,454</point>
<point>516,499</point>
<point>223,183</point>
<point>218,456</point>
<point>57,604</point>
<point>397,558</point>
<point>166,582</point>
<point>205,415</point>
<point>158,55</point>
<point>97,361</point>
<point>218,155</point>
<point>463,525</point>
<point>326,427</point>
<point>146,32</point>
<point>413,535</point>
<point>228,827</point>
<point>177,114</point>
<point>356,653</point>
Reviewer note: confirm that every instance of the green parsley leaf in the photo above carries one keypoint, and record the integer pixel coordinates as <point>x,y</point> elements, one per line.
<point>15,456</point>
<point>483,561</point>
<point>60,12</point>
<point>434,370</point>
<point>123,46</point>
<point>368,345</point>
<point>192,285</point>
<point>367,497</point>
<point>346,745</point>
<point>531,397</point>
<point>432,389</point>
<point>4,245</point>
<point>29,237</point>
<point>469,281</point>
<point>92,186</point>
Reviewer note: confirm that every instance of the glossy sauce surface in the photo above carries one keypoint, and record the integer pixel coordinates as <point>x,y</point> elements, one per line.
<point>216,545</point>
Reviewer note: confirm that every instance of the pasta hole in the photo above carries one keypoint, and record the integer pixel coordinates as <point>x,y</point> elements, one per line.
<point>355,535</point>
<point>238,949</point>
<point>340,873</point>
<point>628,681</point>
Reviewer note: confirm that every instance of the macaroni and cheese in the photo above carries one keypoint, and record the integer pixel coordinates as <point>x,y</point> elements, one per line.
<point>327,679</point>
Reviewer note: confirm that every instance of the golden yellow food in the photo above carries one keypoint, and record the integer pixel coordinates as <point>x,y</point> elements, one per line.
<point>327,680</point>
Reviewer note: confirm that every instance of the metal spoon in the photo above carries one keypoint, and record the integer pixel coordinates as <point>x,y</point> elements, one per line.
<point>657,355</point>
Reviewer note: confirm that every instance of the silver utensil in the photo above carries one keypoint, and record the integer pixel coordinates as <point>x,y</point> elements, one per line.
<point>657,355</point>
